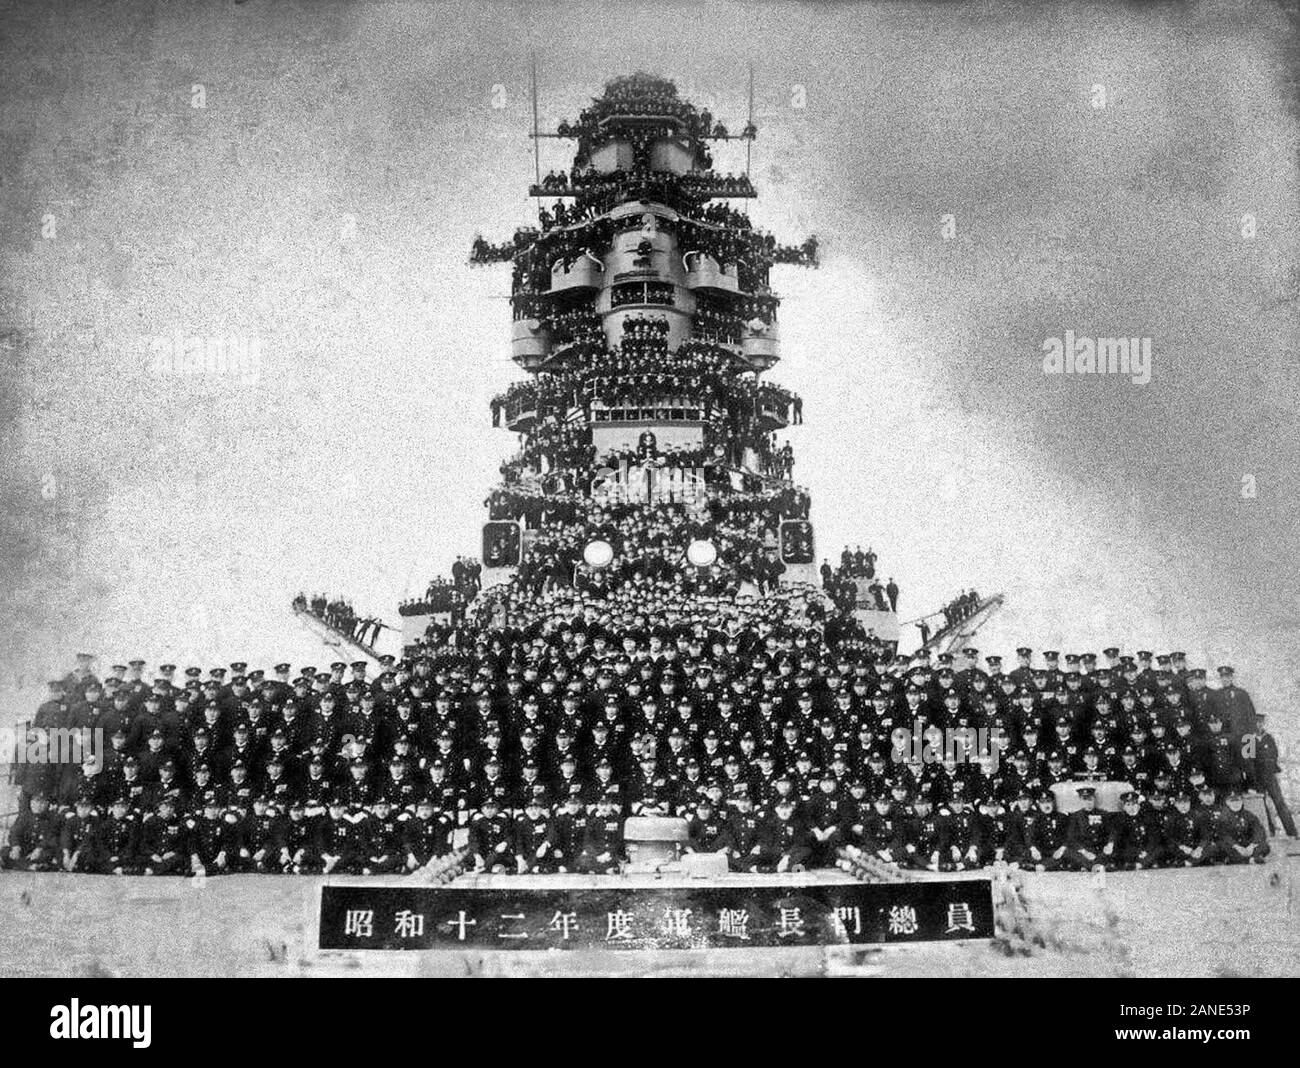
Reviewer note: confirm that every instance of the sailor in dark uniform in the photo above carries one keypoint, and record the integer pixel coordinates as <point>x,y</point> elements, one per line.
<point>882,829</point>
<point>961,833</point>
<point>1046,834</point>
<point>1052,672</point>
<point>787,844</point>
<point>1088,835</point>
<point>427,836</point>
<point>971,669</point>
<point>1023,672</point>
<point>1242,839</point>
<point>709,830</point>
<point>1146,673</point>
<point>134,683</point>
<point>1210,826</point>
<point>81,676</point>
<point>603,842</point>
<point>33,838</point>
<point>995,675</point>
<point>1181,844</point>
<point>1134,841</point>
<point>1233,704</point>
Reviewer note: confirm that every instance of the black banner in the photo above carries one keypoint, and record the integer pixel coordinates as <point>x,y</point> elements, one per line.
<point>618,918</point>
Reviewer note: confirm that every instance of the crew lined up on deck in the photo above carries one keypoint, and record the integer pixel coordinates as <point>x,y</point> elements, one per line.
<point>556,446</point>
<point>647,379</point>
<point>340,615</point>
<point>443,594</point>
<point>740,703</point>
<point>558,498</point>
<point>841,583</point>
<point>649,541</point>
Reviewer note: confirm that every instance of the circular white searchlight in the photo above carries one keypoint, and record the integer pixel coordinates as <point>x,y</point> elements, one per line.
<point>598,554</point>
<point>702,553</point>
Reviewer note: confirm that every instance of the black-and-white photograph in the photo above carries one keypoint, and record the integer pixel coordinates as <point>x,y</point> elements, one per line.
<point>650,489</point>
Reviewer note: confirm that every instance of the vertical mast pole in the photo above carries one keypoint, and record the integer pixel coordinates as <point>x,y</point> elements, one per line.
<point>749,141</point>
<point>537,159</point>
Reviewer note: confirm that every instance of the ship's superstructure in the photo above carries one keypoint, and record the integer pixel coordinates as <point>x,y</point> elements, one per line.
<point>651,453</point>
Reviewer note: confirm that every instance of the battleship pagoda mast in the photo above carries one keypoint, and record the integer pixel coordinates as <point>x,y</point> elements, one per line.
<point>644,315</point>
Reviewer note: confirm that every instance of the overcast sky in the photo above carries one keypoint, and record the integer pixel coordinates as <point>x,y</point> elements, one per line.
<point>323,200</point>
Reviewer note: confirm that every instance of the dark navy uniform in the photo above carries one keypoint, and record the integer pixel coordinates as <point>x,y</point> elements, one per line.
<point>491,838</point>
<point>961,836</point>
<point>300,845</point>
<point>882,831</point>
<point>34,839</point>
<point>710,831</point>
<point>1134,841</point>
<point>117,841</point>
<point>344,841</point>
<point>1241,839</point>
<point>164,843</point>
<point>535,840</point>
<point>603,843</point>
<point>786,842</point>
<point>747,838</point>
<point>78,836</point>
<point>427,835</point>
<point>1087,835</point>
<point>1046,834</point>
<point>385,848</point>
